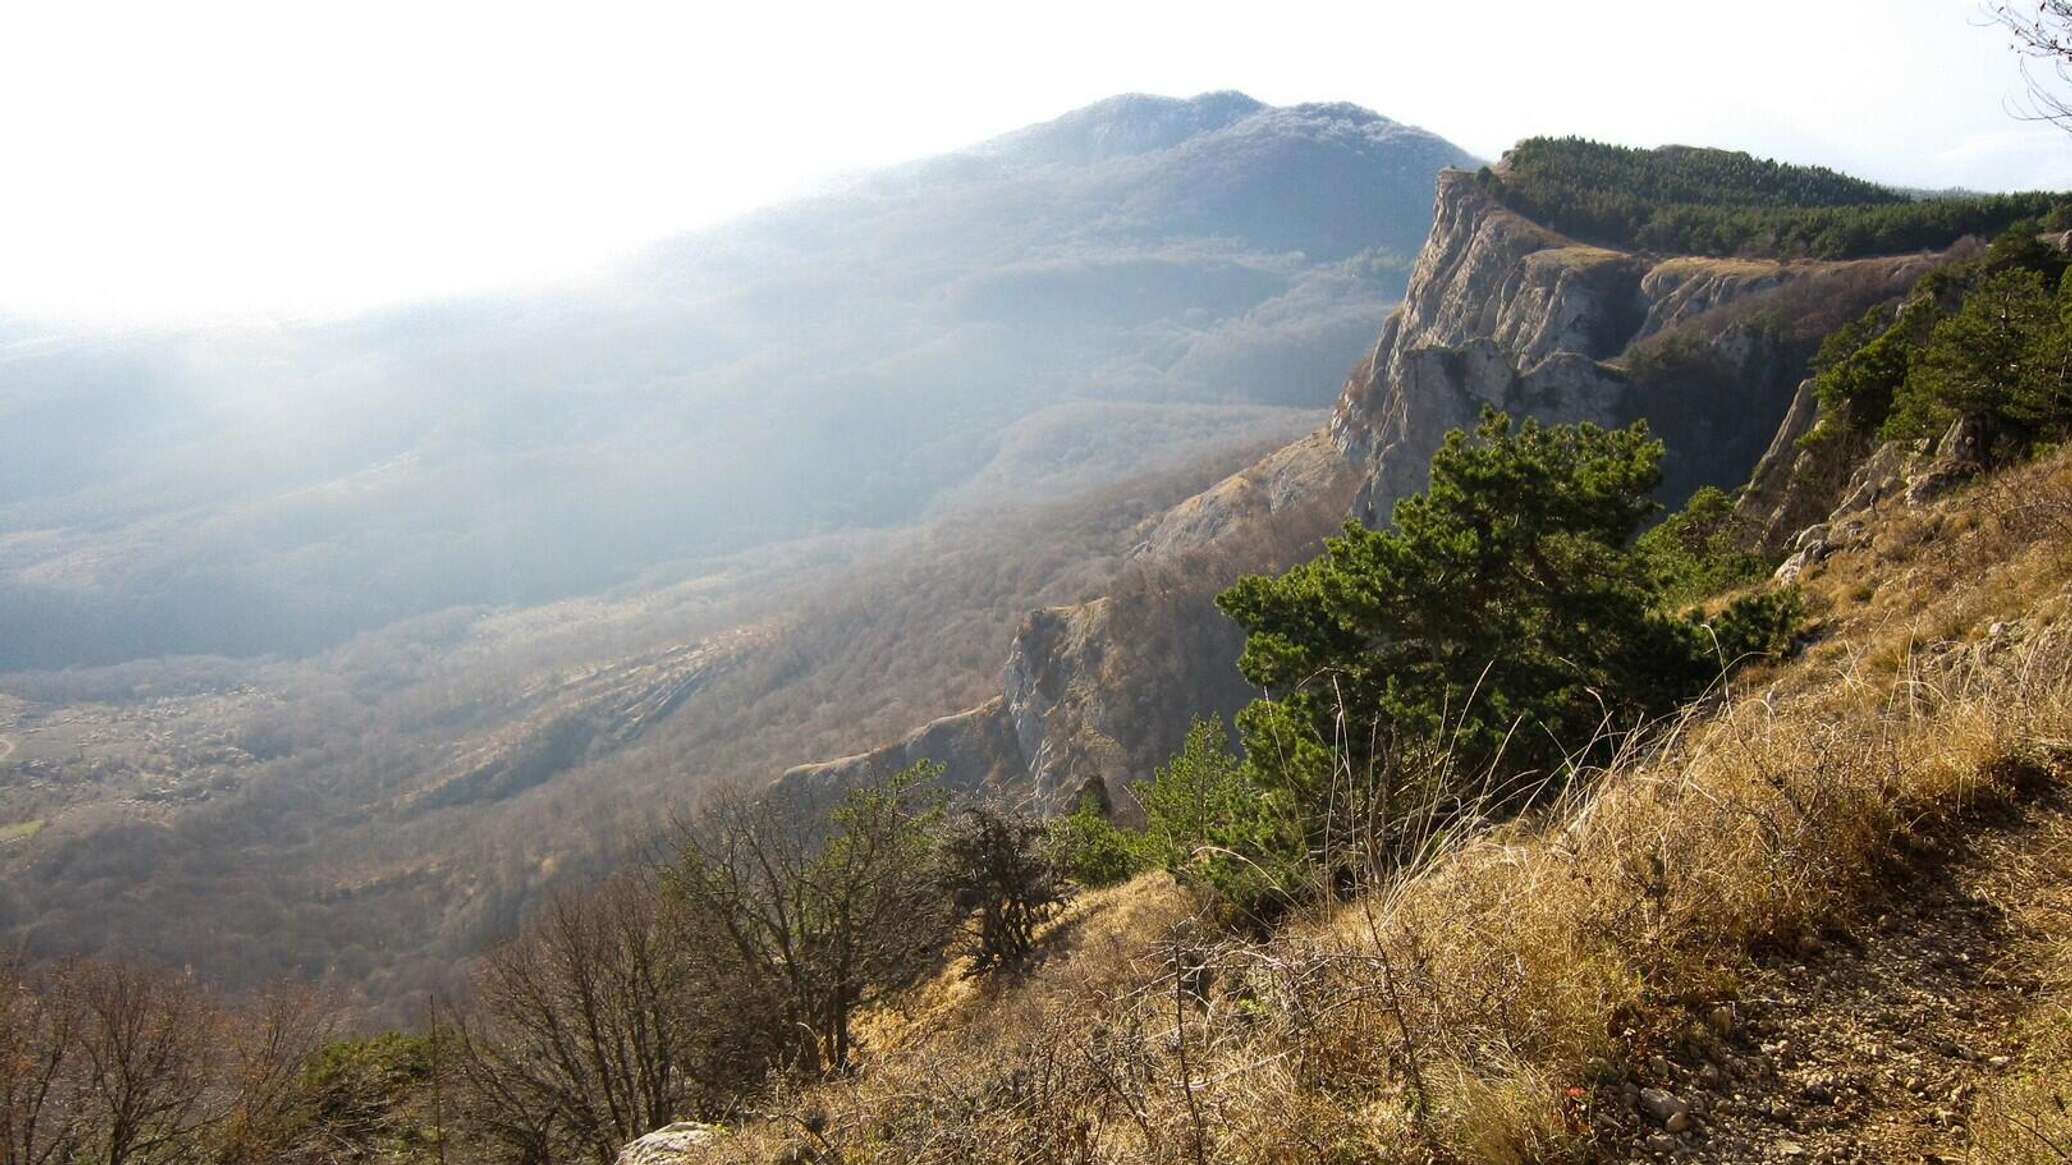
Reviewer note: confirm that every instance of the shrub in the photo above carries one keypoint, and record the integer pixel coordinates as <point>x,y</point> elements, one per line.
<point>1697,551</point>
<point>1212,826</point>
<point>1006,884</point>
<point>1090,849</point>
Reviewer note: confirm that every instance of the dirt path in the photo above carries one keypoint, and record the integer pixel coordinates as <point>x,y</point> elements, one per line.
<point>1871,1046</point>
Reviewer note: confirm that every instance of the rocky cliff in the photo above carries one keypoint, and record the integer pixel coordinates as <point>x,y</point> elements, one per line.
<point>1503,312</point>
<point>1499,311</point>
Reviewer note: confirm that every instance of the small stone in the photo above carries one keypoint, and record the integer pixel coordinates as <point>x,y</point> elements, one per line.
<point>1710,1076</point>
<point>1998,1062</point>
<point>1722,1019</point>
<point>1659,1067</point>
<point>1678,1122</point>
<point>1818,1094</point>
<point>1662,1107</point>
<point>1661,1143</point>
<point>1791,1148</point>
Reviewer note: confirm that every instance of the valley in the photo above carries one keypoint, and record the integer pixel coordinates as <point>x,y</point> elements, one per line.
<point>756,499</point>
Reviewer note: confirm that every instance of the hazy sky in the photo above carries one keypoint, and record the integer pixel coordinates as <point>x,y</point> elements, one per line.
<point>196,159</point>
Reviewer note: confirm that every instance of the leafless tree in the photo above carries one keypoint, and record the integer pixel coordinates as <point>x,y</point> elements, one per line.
<point>584,1033</point>
<point>118,1065</point>
<point>2042,32</point>
<point>818,911</point>
<point>37,1039</point>
<point>143,1047</point>
<point>258,1064</point>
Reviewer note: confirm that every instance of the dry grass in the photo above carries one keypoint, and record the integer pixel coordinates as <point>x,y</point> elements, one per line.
<point>2025,1116</point>
<point>1576,256</point>
<point>1476,1010</point>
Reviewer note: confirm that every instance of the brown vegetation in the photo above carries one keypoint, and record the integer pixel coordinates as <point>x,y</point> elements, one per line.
<point>1489,1006</point>
<point>131,1067</point>
<point>148,776</point>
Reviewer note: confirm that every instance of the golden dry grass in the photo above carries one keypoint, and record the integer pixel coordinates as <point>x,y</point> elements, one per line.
<point>2024,1117</point>
<point>1575,256</point>
<point>1471,1011</point>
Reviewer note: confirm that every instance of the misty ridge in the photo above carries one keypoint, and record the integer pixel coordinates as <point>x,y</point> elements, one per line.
<point>1116,292</point>
<point>329,652</point>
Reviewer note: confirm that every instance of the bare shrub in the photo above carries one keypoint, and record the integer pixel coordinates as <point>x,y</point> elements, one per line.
<point>135,1067</point>
<point>596,1026</point>
<point>1005,884</point>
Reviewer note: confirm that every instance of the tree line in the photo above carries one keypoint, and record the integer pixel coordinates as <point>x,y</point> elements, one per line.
<point>1724,203</point>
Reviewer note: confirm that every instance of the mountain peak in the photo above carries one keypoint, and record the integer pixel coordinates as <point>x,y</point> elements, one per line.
<point>1130,123</point>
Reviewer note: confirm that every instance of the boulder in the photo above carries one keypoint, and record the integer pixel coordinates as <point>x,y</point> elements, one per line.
<point>1960,453</point>
<point>672,1144</point>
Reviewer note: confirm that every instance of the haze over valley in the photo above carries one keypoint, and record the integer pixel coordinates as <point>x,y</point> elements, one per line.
<point>281,592</point>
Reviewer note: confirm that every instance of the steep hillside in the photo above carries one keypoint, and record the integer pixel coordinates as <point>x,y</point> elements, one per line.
<point>369,818</point>
<point>1499,312</point>
<point>1818,918</point>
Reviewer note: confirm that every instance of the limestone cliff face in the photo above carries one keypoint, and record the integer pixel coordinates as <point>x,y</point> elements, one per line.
<point>976,748</point>
<point>1502,311</point>
<point>1792,487</point>
<point>1302,475</point>
<point>1100,691</point>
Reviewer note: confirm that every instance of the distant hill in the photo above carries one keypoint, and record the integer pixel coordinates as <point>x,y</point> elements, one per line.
<point>847,360</point>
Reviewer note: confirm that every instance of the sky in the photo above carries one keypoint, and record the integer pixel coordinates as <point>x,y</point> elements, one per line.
<point>174,162</point>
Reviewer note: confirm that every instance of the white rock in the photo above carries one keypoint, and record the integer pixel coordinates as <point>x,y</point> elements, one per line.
<point>671,1144</point>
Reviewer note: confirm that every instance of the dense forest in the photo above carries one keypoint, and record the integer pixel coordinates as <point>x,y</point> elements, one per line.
<point>1723,203</point>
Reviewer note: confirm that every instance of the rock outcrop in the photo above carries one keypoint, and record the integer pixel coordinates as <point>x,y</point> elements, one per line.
<point>1792,486</point>
<point>1295,476</point>
<point>1895,474</point>
<point>676,1144</point>
<point>976,748</point>
<point>1503,312</point>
